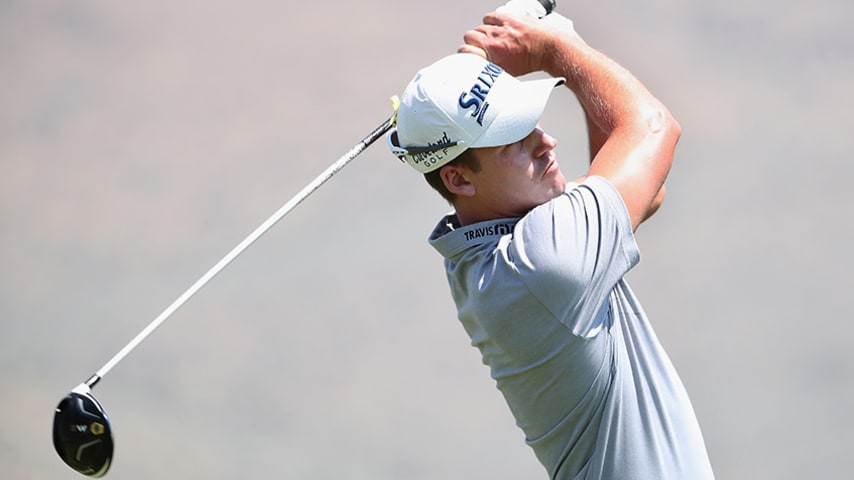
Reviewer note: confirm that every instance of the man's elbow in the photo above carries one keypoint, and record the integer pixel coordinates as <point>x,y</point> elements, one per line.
<point>658,200</point>
<point>664,126</point>
<point>655,204</point>
<point>675,130</point>
<point>661,122</point>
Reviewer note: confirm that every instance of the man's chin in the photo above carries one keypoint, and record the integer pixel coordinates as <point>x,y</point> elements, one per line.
<point>560,186</point>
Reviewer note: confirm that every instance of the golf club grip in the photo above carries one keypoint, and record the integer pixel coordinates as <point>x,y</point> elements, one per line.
<point>549,5</point>
<point>532,8</point>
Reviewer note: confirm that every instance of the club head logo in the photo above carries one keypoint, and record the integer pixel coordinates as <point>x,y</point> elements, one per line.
<point>94,428</point>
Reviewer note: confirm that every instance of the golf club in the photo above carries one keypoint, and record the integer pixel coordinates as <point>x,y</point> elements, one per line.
<point>82,432</point>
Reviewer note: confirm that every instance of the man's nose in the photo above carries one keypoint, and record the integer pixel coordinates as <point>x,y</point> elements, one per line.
<point>545,142</point>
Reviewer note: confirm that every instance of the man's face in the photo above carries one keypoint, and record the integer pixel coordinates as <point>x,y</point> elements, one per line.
<point>515,178</point>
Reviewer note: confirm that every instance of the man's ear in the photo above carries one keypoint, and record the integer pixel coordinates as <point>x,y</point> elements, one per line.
<point>456,180</point>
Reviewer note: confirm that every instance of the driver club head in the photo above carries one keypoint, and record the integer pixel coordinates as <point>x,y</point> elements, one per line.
<point>82,434</point>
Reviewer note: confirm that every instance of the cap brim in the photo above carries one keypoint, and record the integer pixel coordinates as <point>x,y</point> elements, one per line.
<point>521,110</point>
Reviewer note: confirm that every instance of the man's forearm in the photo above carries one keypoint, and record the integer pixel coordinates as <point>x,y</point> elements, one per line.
<point>596,137</point>
<point>611,96</point>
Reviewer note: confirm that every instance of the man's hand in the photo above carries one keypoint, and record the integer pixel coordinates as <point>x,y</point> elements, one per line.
<point>516,43</point>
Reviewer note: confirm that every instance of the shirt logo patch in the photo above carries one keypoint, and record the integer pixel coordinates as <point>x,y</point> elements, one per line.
<point>489,230</point>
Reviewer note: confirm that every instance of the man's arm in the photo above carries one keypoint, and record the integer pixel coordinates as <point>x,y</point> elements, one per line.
<point>596,138</point>
<point>640,133</point>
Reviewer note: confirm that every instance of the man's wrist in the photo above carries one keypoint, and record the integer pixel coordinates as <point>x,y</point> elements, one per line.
<point>560,54</point>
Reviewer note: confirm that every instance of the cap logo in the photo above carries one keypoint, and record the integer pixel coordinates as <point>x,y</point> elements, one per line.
<point>434,153</point>
<point>476,96</point>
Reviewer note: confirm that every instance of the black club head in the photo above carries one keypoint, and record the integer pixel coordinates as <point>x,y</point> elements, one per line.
<point>82,434</point>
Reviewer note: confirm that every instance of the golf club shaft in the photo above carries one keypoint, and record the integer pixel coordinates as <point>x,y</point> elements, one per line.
<point>234,253</point>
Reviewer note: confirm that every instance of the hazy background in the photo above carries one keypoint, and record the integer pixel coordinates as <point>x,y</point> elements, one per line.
<point>140,141</point>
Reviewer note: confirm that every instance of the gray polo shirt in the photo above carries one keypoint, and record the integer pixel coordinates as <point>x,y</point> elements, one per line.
<point>568,344</point>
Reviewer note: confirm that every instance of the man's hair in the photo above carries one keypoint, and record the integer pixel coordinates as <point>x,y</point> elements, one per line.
<point>466,159</point>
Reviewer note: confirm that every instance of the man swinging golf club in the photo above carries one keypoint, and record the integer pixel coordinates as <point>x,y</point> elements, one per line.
<point>536,263</point>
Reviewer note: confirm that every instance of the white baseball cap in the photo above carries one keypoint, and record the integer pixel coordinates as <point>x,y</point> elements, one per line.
<point>464,101</point>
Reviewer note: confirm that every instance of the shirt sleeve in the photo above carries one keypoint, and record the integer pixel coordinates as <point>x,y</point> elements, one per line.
<point>572,251</point>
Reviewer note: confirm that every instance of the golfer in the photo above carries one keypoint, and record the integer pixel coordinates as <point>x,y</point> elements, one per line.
<point>536,263</point>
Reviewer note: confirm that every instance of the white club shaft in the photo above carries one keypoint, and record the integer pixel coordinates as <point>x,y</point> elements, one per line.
<point>263,228</point>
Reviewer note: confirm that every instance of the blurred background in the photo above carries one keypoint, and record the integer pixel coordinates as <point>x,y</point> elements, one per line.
<point>141,141</point>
